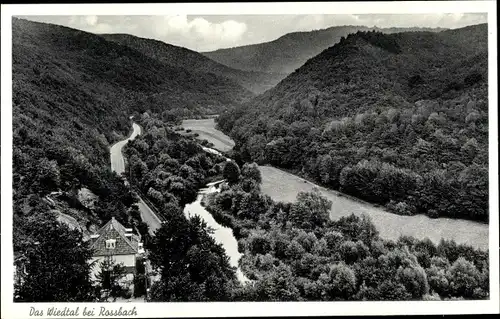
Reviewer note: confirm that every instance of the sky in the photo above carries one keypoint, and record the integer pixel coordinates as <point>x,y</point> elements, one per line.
<point>211,32</point>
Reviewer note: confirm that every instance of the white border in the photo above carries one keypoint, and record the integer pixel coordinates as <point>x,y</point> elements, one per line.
<point>237,309</point>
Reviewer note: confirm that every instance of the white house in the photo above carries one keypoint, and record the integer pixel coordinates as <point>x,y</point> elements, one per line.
<point>115,241</point>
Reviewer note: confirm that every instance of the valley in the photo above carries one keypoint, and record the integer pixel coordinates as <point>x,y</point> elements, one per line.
<point>283,186</point>
<point>346,163</point>
<point>291,51</point>
<point>207,131</point>
<point>221,234</point>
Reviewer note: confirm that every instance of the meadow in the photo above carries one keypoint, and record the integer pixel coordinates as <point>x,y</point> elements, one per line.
<point>207,131</point>
<point>284,186</point>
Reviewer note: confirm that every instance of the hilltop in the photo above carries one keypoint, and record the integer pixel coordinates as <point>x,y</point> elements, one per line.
<point>289,52</point>
<point>73,93</point>
<point>406,108</point>
<point>193,61</point>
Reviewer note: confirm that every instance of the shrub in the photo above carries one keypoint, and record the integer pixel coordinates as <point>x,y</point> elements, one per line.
<point>231,172</point>
<point>433,213</point>
<point>401,208</point>
<point>127,293</point>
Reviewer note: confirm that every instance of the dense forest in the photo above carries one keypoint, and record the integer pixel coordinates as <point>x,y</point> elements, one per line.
<point>399,120</point>
<point>257,82</point>
<point>294,252</point>
<point>169,168</point>
<point>291,251</point>
<point>290,51</point>
<point>73,93</point>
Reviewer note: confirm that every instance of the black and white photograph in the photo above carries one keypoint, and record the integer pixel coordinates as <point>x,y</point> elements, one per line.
<point>323,153</point>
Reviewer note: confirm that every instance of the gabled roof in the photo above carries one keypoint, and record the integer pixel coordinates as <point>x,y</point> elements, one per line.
<point>114,230</point>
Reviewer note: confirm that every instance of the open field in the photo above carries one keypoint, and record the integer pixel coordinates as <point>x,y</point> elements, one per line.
<point>206,130</point>
<point>283,186</point>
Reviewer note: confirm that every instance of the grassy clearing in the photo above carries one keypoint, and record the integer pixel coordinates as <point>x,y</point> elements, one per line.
<point>283,186</point>
<point>206,130</point>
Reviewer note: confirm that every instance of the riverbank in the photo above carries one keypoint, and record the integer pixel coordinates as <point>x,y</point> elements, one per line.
<point>284,186</point>
<point>154,218</point>
<point>206,130</point>
<point>222,235</point>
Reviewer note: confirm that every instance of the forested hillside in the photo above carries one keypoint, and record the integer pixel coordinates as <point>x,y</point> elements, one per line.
<point>256,82</point>
<point>73,93</point>
<point>289,52</point>
<point>169,168</point>
<point>399,120</point>
<point>295,252</point>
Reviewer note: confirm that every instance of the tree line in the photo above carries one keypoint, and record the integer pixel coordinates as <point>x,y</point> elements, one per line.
<point>406,129</point>
<point>73,93</point>
<point>294,252</point>
<point>430,157</point>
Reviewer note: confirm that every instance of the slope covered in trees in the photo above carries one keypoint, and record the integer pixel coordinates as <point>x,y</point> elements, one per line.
<point>294,252</point>
<point>72,89</point>
<point>169,169</point>
<point>289,52</point>
<point>399,120</point>
<point>72,95</point>
<point>256,82</point>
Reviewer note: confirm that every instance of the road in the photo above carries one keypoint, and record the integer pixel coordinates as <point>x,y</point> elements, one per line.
<point>222,235</point>
<point>117,161</point>
<point>148,216</point>
<point>118,166</point>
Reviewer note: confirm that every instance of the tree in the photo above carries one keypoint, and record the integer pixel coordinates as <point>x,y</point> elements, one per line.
<point>436,275</point>
<point>357,228</point>
<point>193,267</point>
<point>470,149</point>
<point>259,243</point>
<point>307,240</point>
<point>463,277</point>
<point>48,175</point>
<point>252,172</point>
<point>256,147</point>
<point>341,282</point>
<point>110,276</point>
<point>55,255</point>
<point>231,172</point>
<point>349,252</point>
<point>138,168</point>
<point>277,285</point>
<point>325,164</point>
<point>310,210</point>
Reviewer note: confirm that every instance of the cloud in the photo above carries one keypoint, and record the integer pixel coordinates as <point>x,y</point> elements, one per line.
<point>206,33</point>
<point>91,20</point>
<point>199,33</point>
<point>90,23</point>
<point>310,22</point>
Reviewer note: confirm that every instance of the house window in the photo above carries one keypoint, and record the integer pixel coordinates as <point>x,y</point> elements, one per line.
<point>110,243</point>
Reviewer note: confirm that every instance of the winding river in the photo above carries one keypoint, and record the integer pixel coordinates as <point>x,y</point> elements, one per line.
<point>222,235</point>
<point>283,186</point>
